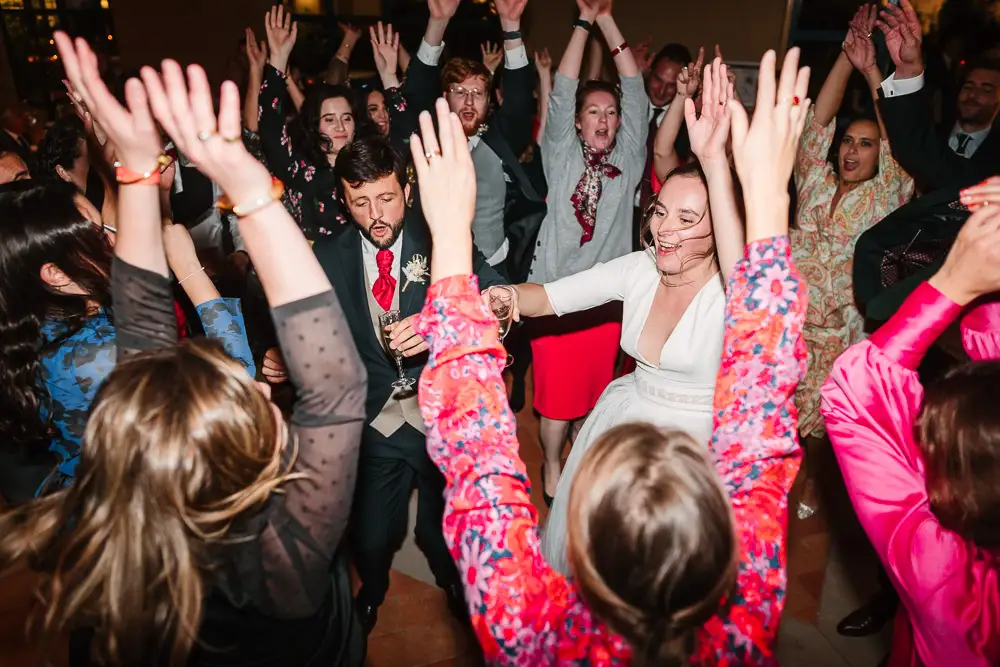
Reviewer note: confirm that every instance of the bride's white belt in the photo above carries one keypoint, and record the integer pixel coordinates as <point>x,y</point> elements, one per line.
<point>672,394</point>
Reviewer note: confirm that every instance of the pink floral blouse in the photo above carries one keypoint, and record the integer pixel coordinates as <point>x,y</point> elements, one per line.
<point>949,587</point>
<point>823,245</point>
<point>525,613</point>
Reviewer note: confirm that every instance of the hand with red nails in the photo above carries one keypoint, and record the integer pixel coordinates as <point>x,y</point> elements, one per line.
<point>986,193</point>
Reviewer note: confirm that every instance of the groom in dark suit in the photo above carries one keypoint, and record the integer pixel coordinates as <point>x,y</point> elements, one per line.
<point>384,265</point>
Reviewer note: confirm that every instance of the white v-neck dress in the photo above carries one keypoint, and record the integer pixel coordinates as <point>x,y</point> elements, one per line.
<point>674,391</point>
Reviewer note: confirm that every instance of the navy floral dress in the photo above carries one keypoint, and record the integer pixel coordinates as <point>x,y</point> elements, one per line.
<point>74,367</point>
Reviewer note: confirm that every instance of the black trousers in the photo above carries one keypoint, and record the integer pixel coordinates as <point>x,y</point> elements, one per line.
<point>381,513</point>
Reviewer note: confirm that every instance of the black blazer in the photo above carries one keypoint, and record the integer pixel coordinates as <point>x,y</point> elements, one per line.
<point>508,134</point>
<point>341,259</point>
<point>931,221</point>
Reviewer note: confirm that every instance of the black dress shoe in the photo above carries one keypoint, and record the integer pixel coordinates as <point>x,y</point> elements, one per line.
<point>367,617</point>
<point>456,602</point>
<point>870,618</point>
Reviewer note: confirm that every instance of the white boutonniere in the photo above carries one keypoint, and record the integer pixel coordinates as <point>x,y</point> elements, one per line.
<point>415,270</point>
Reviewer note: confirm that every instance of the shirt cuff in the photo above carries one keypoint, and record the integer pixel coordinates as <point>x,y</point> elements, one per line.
<point>893,87</point>
<point>516,58</point>
<point>430,55</point>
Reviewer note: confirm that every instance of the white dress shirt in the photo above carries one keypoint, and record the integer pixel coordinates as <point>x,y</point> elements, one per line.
<point>893,87</point>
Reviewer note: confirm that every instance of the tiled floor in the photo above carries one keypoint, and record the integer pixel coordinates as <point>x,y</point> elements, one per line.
<point>831,571</point>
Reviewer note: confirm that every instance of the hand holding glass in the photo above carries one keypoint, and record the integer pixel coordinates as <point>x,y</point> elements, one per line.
<point>386,321</point>
<point>502,305</point>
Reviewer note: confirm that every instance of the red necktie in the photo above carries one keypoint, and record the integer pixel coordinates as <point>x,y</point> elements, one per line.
<point>385,286</point>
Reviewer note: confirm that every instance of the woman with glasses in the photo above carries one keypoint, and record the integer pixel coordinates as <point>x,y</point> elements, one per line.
<point>673,296</point>
<point>59,343</point>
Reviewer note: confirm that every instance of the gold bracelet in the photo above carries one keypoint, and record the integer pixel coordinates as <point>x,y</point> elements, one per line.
<point>242,210</point>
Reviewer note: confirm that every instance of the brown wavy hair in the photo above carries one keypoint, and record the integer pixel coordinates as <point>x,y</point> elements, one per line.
<point>959,435</point>
<point>651,539</point>
<point>690,170</point>
<point>180,442</point>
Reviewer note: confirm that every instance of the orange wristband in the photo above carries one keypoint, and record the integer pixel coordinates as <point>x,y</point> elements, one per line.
<point>128,177</point>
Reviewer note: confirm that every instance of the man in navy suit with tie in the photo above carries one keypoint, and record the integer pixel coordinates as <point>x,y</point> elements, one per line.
<point>383,265</point>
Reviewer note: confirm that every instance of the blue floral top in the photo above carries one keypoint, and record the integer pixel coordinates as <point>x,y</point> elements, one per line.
<point>73,369</point>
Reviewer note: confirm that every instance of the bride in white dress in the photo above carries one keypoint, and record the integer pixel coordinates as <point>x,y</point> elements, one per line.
<point>674,300</point>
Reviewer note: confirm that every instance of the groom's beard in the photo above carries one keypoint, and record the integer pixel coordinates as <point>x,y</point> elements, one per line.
<point>383,241</point>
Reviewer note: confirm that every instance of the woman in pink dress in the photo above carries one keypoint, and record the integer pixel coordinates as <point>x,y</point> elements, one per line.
<point>923,472</point>
<point>659,530</point>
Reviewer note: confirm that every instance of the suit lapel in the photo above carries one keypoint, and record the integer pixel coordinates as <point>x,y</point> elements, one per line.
<point>416,245</point>
<point>352,265</point>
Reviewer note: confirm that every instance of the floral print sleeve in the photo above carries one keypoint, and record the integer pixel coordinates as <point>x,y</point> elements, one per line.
<point>811,164</point>
<point>755,445</point>
<point>402,118</point>
<point>895,184</point>
<point>523,612</point>
<point>74,367</point>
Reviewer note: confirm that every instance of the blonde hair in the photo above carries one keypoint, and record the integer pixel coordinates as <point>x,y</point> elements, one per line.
<point>651,539</point>
<point>180,442</point>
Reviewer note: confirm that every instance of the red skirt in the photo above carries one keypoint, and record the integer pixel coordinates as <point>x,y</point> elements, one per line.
<point>573,360</point>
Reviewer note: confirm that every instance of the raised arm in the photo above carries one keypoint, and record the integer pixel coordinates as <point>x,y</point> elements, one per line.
<point>490,525</point>
<point>543,64</point>
<point>296,544</point>
<point>871,404</point>
<point>516,115</point>
<point>402,117</point>
<point>624,59</point>
<point>257,54</point>
<point>283,159</point>
<point>336,71</point>
<point>665,156</point>
<point>140,277</point>
<point>709,134</point>
<point>569,65</point>
<point>754,440</point>
<point>423,84</point>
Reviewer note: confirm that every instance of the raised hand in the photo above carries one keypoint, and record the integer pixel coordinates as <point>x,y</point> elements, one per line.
<point>256,53</point>
<point>492,56</point>
<point>132,131</point>
<point>352,33</point>
<point>591,9</point>
<point>764,151</point>
<point>442,9</point>
<point>689,78</point>
<point>859,49</point>
<point>510,10</point>
<point>643,55</point>
<point>972,267</point>
<point>710,131</point>
<point>858,45</point>
<point>385,46</point>
<point>184,110</point>
<point>445,174</point>
<point>903,35</point>
<point>281,34</point>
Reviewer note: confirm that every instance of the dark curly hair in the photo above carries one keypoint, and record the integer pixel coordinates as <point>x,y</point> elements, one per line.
<point>60,147</point>
<point>304,129</point>
<point>41,225</point>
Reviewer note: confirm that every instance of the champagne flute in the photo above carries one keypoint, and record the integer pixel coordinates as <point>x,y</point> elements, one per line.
<point>385,321</point>
<point>502,305</point>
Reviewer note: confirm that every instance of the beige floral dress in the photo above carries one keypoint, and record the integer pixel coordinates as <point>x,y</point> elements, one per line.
<point>823,247</point>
